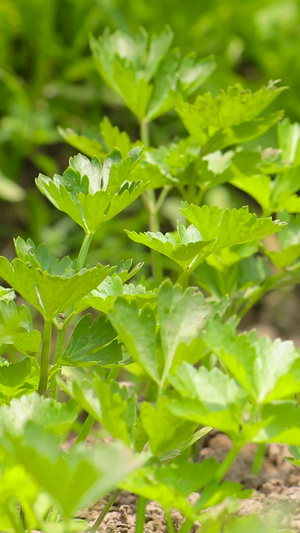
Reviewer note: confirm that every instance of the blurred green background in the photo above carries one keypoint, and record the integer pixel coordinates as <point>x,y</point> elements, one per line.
<point>48,78</point>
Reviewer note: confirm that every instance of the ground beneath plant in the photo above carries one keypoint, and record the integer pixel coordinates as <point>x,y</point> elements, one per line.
<point>276,492</point>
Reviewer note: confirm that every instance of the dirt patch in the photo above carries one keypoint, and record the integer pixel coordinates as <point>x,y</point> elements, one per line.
<point>276,491</point>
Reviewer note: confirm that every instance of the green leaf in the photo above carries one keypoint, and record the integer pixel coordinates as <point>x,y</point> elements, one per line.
<point>17,379</point>
<point>76,479</point>
<point>51,286</point>
<point>211,230</point>
<point>104,296</point>
<point>88,146</point>
<point>110,404</point>
<point>242,132</point>
<point>137,331</point>
<point>288,141</point>
<point>229,227</point>
<point>46,413</point>
<point>9,190</point>
<point>288,241</point>
<point>6,294</point>
<point>168,165</point>
<point>181,248</point>
<point>92,193</point>
<point>145,74</point>
<point>281,423</point>
<point>110,137</point>
<point>167,433</point>
<point>268,371</point>
<point>182,316</point>
<point>248,524</point>
<point>259,187</point>
<point>177,75</point>
<point>121,62</point>
<point>207,397</point>
<point>228,118</point>
<point>114,138</point>
<point>169,485</point>
<point>92,344</point>
<point>16,486</point>
<point>284,186</point>
<point>16,329</point>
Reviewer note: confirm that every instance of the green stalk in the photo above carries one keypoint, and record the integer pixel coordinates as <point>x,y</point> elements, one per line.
<point>192,266</point>
<point>16,520</point>
<point>104,511</point>
<point>226,464</point>
<point>112,374</point>
<point>150,203</point>
<point>140,514</point>
<point>59,348</point>
<point>186,526</point>
<point>85,429</point>
<point>169,520</point>
<point>45,356</point>
<point>258,459</point>
<point>84,249</point>
<point>164,193</point>
<point>144,132</point>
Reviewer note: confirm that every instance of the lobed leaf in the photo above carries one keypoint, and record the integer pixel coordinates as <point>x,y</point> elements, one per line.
<point>16,329</point>
<point>109,403</point>
<point>137,330</point>
<point>50,294</point>
<point>207,397</point>
<point>145,74</point>
<point>92,193</point>
<point>104,296</point>
<point>228,118</point>
<point>17,379</point>
<point>181,316</point>
<point>211,230</point>
<point>268,371</point>
<point>229,227</point>
<point>46,413</point>
<point>75,479</point>
<point>182,248</point>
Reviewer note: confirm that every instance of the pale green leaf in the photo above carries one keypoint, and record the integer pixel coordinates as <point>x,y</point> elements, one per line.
<point>110,404</point>
<point>208,397</point>
<point>265,369</point>
<point>46,413</point>
<point>16,329</point>
<point>17,379</point>
<point>182,248</point>
<point>10,191</point>
<point>221,119</point>
<point>182,316</point>
<point>171,484</point>
<point>76,479</point>
<point>165,431</point>
<point>104,296</point>
<point>288,141</point>
<point>229,227</point>
<point>50,294</point>
<point>137,331</point>
<point>88,146</point>
<point>92,193</point>
<point>281,423</point>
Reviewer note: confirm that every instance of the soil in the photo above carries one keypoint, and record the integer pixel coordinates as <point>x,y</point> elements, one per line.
<point>275,497</point>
